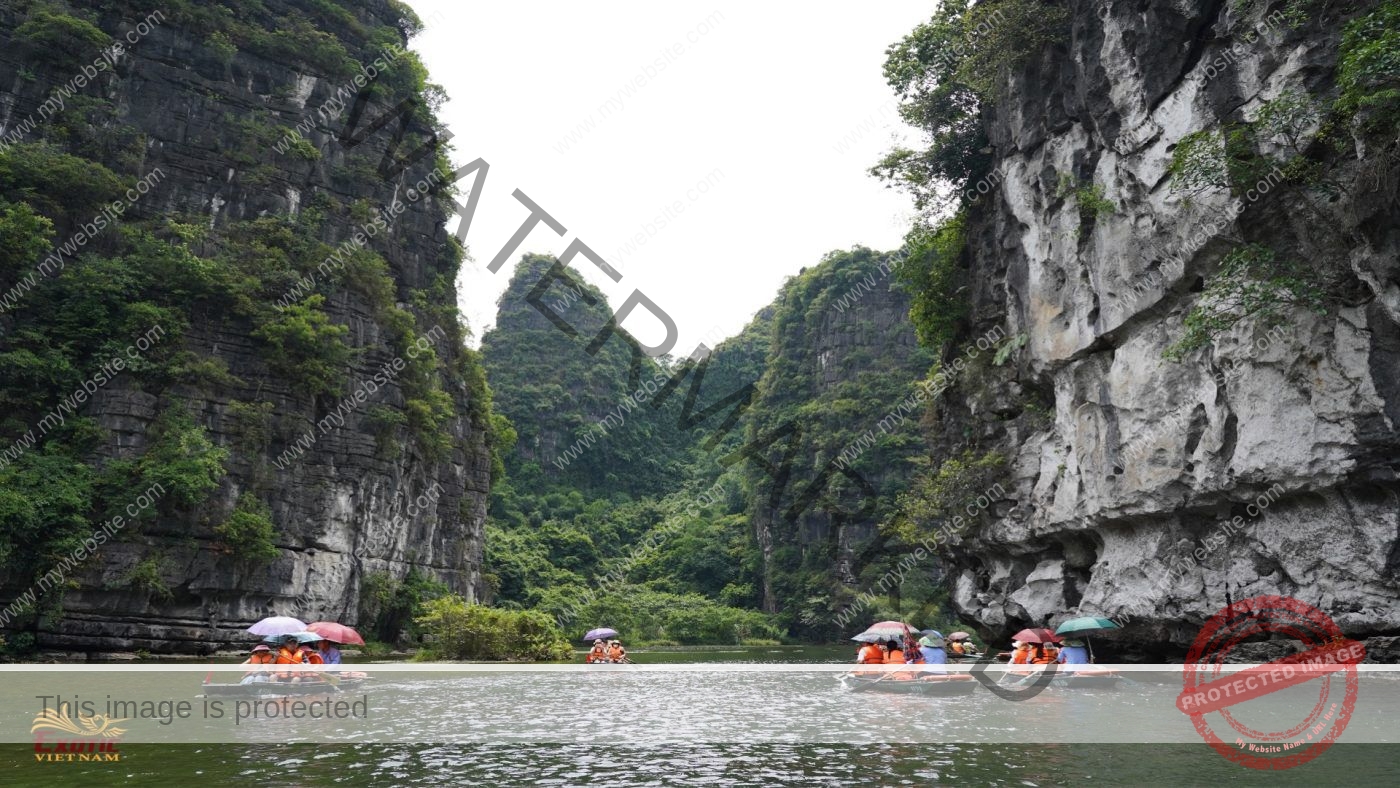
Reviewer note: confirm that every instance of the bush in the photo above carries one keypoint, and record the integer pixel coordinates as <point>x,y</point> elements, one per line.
<point>1369,67</point>
<point>248,532</point>
<point>1250,283</point>
<point>306,348</point>
<point>942,72</point>
<point>933,274</point>
<point>461,630</point>
<point>62,39</point>
<point>146,576</point>
<point>221,47</point>
<point>389,606</point>
<point>953,493</point>
<point>181,459</point>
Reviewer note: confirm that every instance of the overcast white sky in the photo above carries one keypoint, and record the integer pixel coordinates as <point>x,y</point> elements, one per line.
<point>754,132</point>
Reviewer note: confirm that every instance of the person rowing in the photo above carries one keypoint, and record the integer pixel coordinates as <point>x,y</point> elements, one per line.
<point>932,652</point>
<point>617,653</point>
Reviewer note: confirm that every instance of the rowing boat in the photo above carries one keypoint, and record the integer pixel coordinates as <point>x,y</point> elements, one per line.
<point>938,686</point>
<point>263,689</point>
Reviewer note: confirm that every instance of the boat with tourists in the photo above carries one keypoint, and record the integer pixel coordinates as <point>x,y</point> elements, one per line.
<point>293,659</point>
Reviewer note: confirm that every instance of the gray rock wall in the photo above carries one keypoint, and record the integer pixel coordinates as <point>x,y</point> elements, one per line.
<point>1125,505</point>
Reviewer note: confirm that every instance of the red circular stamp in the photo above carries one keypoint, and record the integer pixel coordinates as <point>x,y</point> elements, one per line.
<point>1210,692</point>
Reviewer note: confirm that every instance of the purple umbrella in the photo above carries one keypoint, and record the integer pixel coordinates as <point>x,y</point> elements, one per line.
<point>602,633</point>
<point>278,625</point>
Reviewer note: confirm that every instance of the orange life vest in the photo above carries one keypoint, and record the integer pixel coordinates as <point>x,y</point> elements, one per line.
<point>617,653</point>
<point>1022,656</point>
<point>288,656</point>
<point>1048,654</point>
<point>870,655</point>
<point>956,647</point>
<point>895,657</point>
<point>598,654</point>
<point>258,658</point>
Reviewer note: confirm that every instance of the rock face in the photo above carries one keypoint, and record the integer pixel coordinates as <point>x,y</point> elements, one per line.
<point>359,500</point>
<point>829,426</point>
<point>1264,463</point>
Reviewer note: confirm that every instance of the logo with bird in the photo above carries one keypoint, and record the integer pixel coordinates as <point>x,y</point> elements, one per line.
<point>92,726</point>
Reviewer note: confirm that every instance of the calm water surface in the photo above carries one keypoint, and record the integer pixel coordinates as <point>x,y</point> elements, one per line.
<point>615,763</point>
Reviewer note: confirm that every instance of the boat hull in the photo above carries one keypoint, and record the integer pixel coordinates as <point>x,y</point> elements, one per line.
<point>953,685</point>
<point>265,689</point>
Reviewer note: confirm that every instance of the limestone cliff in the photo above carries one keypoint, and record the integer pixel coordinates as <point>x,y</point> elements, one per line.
<point>1264,461</point>
<point>368,451</point>
<point>827,457</point>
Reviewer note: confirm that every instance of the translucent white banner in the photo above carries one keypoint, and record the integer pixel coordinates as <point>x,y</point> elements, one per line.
<point>80,708</point>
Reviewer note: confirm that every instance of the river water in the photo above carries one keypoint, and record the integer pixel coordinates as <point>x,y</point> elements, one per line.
<point>664,727</point>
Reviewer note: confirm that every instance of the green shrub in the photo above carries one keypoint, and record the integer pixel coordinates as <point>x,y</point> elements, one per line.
<point>461,630</point>
<point>62,39</point>
<point>1368,70</point>
<point>952,493</point>
<point>943,72</point>
<point>389,606</point>
<point>302,147</point>
<point>1251,282</point>
<point>305,347</point>
<point>1088,198</point>
<point>932,272</point>
<point>1001,35</point>
<point>181,459</point>
<point>248,532</point>
<point>147,576</point>
<point>221,47</point>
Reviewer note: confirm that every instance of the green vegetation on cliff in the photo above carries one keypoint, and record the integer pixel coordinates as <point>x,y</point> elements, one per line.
<point>597,521</point>
<point>108,293</point>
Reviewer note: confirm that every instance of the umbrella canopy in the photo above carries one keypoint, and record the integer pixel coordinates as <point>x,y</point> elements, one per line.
<point>1036,635</point>
<point>278,625</point>
<point>336,633</point>
<point>302,637</point>
<point>1084,624</point>
<point>959,636</point>
<point>601,633</point>
<point>882,631</point>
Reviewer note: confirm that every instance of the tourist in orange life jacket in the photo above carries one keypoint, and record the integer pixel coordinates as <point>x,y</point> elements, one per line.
<point>262,655</point>
<point>956,647</point>
<point>870,654</point>
<point>599,653</point>
<point>311,656</point>
<point>289,654</point>
<point>893,654</point>
<point>1049,652</point>
<point>1020,653</point>
<point>616,652</point>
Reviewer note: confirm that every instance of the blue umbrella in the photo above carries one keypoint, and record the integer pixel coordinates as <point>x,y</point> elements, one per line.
<point>302,637</point>
<point>601,633</point>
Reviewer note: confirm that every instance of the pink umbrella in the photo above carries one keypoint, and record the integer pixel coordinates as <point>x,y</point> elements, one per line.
<point>338,633</point>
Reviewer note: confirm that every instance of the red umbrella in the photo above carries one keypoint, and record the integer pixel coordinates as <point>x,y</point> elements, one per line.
<point>882,631</point>
<point>338,633</point>
<point>1037,635</point>
<point>959,636</point>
